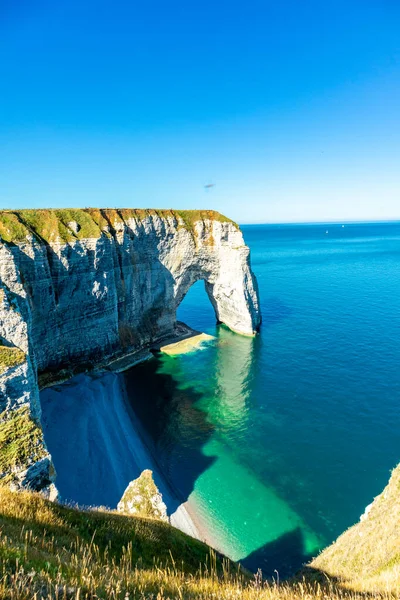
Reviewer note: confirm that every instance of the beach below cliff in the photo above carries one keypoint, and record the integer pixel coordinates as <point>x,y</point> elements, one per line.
<point>98,447</point>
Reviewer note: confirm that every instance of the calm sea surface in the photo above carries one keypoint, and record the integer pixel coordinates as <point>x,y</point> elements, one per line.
<point>282,440</point>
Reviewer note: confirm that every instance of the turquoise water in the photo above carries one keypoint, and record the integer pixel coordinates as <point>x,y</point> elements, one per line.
<point>279,441</point>
<point>282,440</point>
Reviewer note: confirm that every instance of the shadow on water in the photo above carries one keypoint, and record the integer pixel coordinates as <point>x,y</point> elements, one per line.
<point>166,411</point>
<point>283,556</point>
<point>177,420</point>
<point>94,443</point>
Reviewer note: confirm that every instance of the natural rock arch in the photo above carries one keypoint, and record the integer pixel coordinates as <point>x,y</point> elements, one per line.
<point>229,284</point>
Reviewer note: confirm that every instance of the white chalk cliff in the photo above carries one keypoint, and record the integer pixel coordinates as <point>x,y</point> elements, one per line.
<point>78,287</point>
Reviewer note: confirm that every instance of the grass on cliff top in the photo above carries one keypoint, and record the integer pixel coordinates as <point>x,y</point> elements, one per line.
<point>53,551</point>
<point>10,357</point>
<point>72,224</point>
<point>21,442</point>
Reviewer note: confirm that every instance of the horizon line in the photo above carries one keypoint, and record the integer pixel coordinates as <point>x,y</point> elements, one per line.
<point>336,222</point>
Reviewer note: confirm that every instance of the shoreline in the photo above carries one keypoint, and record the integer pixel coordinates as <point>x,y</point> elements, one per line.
<point>200,528</point>
<point>203,530</point>
<point>186,345</point>
<point>183,520</point>
<point>183,517</point>
<point>109,431</point>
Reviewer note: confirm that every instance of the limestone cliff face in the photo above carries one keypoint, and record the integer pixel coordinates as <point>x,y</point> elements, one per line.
<point>79,286</point>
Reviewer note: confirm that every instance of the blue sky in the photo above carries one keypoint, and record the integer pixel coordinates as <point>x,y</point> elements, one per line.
<point>291,108</point>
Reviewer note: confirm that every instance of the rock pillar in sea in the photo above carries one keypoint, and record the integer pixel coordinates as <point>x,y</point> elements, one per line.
<point>80,287</point>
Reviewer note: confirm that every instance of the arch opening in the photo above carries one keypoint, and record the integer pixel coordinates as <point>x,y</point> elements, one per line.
<point>196,309</point>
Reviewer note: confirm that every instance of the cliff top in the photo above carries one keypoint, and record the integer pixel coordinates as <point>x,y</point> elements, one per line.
<point>70,224</point>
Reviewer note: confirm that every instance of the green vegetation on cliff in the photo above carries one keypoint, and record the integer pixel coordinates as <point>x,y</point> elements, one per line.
<point>10,356</point>
<point>75,224</point>
<point>21,442</point>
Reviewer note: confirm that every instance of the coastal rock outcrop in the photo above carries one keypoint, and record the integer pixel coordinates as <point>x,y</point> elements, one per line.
<point>80,287</point>
<point>143,499</point>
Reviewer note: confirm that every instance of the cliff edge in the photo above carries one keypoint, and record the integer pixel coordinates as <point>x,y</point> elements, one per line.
<point>366,557</point>
<point>78,287</point>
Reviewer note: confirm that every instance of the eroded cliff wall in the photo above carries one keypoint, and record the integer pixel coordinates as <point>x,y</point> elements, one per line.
<point>79,286</point>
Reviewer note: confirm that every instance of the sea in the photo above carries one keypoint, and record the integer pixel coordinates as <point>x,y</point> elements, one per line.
<point>280,441</point>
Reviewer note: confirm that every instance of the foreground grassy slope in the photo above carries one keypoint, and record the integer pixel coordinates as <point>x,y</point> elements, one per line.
<point>76,223</point>
<point>44,545</point>
<point>51,551</point>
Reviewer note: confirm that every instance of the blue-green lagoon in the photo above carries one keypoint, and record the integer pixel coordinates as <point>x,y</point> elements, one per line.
<point>278,441</point>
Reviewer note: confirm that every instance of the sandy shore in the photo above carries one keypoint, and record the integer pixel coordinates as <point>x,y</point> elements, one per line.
<point>186,345</point>
<point>182,519</point>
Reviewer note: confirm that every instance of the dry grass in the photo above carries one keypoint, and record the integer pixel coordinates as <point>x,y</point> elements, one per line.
<point>191,217</point>
<point>52,551</point>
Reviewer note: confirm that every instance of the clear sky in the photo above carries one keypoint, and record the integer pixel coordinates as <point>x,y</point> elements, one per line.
<point>291,107</point>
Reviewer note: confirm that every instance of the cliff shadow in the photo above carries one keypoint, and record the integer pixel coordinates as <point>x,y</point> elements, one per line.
<point>281,558</point>
<point>286,560</point>
<point>173,429</point>
<point>103,429</point>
